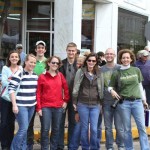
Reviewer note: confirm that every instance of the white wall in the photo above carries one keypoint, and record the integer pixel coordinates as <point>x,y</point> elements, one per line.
<point>106,26</point>
<point>67,25</point>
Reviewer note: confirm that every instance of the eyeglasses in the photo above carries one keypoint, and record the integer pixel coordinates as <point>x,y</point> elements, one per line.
<point>69,67</point>
<point>89,60</point>
<point>57,63</point>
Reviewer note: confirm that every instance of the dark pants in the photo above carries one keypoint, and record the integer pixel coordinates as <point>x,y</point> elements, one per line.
<point>30,133</point>
<point>51,118</point>
<point>71,125</point>
<point>147,91</point>
<point>7,124</point>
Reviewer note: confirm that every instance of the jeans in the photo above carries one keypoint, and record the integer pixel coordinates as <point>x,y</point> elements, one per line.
<point>88,113</point>
<point>135,108</point>
<point>30,132</point>
<point>76,136</point>
<point>99,130</point>
<point>71,125</point>
<point>7,124</point>
<point>50,117</point>
<point>147,91</point>
<point>112,115</point>
<point>23,118</point>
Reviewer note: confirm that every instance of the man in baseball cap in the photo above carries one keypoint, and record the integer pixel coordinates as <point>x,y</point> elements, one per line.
<point>19,49</point>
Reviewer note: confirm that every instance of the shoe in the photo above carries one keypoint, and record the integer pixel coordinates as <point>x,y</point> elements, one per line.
<point>30,147</point>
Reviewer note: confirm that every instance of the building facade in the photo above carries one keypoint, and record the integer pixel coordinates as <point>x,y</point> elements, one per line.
<point>93,25</point>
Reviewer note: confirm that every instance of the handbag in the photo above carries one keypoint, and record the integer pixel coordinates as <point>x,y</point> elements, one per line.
<point>147,118</point>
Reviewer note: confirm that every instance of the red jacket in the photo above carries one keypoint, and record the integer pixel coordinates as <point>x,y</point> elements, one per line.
<point>51,91</point>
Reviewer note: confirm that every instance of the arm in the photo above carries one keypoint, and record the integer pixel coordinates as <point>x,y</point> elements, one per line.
<point>5,76</point>
<point>38,96</point>
<point>13,85</point>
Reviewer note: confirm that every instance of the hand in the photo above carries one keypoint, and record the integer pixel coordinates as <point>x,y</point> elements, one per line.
<point>64,105</point>
<point>75,107</point>
<point>40,112</point>
<point>15,109</point>
<point>145,104</point>
<point>114,94</point>
<point>77,118</point>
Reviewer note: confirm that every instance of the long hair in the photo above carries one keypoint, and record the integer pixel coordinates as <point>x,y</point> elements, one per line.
<point>8,63</point>
<point>96,65</point>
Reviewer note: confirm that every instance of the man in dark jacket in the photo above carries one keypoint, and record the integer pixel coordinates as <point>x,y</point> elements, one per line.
<point>68,69</point>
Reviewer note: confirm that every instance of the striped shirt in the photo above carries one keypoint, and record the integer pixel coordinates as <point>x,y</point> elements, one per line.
<point>25,84</point>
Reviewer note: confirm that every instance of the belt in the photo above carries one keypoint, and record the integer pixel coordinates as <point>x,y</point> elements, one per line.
<point>129,98</point>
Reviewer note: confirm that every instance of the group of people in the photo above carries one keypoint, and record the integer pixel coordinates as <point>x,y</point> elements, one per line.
<point>85,87</point>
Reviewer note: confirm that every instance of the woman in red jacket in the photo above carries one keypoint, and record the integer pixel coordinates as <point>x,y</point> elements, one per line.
<point>52,98</point>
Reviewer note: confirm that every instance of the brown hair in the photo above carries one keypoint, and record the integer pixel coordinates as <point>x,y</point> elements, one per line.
<point>121,52</point>
<point>96,65</point>
<point>8,63</point>
<point>50,59</point>
<point>27,58</point>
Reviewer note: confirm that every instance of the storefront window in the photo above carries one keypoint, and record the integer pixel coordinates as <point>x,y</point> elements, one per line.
<point>10,25</point>
<point>131,28</point>
<point>88,16</point>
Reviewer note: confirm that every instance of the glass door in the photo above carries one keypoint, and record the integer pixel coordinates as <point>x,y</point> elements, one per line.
<point>40,25</point>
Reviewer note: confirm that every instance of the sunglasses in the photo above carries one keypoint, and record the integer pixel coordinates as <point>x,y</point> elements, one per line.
<point>57,63</point>
<point>89,60</point>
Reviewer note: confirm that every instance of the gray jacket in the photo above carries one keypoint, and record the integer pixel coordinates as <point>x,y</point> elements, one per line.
<point>78,92</point>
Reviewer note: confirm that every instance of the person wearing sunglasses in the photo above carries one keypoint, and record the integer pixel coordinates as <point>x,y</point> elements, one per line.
<point>52,97</point>
<point>87,95</point>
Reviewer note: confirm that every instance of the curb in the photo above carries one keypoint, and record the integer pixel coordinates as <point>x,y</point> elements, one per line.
<point>134,134</point>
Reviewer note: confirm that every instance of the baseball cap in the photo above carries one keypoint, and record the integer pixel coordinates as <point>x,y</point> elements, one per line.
<point>40,42</point>
<point>144,53</point>
<point>19,46</point>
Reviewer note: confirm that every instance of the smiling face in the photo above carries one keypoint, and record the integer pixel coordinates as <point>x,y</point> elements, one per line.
<point>91,62</point>
<point>14,58</point>
<point>110,55</point>
<point>30,63</point>
<point>40,50</point>
<point>53,64</point>
<point>126,59</point>
<point>71,52</point>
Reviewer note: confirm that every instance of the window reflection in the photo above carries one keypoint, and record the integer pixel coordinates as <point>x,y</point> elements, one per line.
<point>131,30</point>
<point>39,17</point>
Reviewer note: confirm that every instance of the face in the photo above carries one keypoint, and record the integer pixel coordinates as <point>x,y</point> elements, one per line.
<point>14,58</point>
<point>91,62</point>
<point>19,49</point>
<point>126,59</point>
<point>144,58</point>
<point>110,55</point>
<point>71,52</point>
<point>40,50</point>
<point>54,64</point>
<point>30,64</point>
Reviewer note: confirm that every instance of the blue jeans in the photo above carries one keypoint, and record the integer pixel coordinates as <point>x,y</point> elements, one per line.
<point>23,118</point>
<point>135,108</point>
<point>7,124</point>
<point>50,117</point>
<point>76,136</point>
<point>99,130</point>
<point>147,91</point>
<point>112,115</point>
<point>88,113</point>
<point>71,125</point>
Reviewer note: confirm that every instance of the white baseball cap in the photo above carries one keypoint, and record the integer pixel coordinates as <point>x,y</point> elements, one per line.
<point>40,42</point>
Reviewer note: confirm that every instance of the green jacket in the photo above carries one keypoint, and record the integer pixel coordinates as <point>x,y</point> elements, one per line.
<point>78,81</point>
